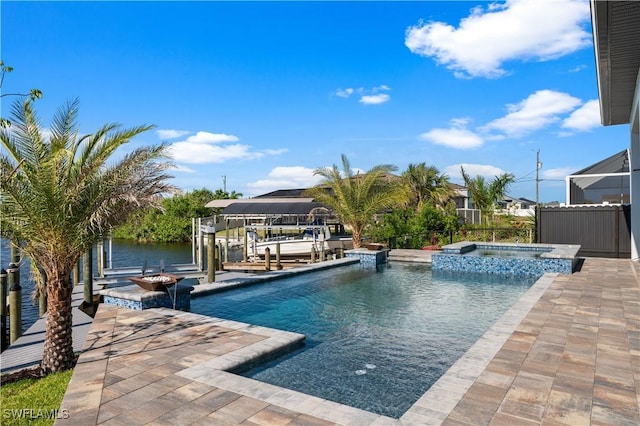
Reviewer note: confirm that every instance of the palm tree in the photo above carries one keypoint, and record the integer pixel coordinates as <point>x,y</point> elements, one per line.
<point>61,193</point>
<point>427,185</point>
<point>484,194</point>
<point>355,199</point>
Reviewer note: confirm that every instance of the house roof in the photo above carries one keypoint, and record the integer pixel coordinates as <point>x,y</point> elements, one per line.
<point>616,39</point>
<point>283,193</point>
<point>281,208</point>
<point>617,163</point>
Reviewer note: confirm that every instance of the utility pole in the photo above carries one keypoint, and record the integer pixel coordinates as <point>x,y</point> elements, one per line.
<point>538,167</point>
<point>224,183</point>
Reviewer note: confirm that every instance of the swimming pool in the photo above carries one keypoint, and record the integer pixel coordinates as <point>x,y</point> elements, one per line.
<point>375,340</point>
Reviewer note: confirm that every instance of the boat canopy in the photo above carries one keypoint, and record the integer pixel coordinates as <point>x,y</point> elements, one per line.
<point>248,208</point>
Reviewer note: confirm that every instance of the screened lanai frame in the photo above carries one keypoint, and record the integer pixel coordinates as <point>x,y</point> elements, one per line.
<point>606,182</point>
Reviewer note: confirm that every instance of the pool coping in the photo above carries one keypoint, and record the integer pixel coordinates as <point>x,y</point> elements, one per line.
<point>435,405</point>
<point>432,408</point>
<point>558,251</point>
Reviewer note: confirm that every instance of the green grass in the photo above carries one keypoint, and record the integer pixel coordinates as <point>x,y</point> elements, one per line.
<point>34,401</point>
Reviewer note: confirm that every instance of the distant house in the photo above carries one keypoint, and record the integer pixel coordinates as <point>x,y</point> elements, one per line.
<point>517,206</point>
<point>291,206</point>
<point>606,182</point>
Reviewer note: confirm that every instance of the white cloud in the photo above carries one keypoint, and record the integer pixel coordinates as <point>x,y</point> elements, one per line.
<point>171,134</point>
<point>585,118</point>
<point>206,137</point>
<point>380,88</point>
<point>182,169</point>
<point>275,151</point>
<point>283,177</point>
<point>344,93</point>
<point>370,96</point>
<point>457,136</point>
<point>374,99</point>
<point>206,147</point>
<point>473,170</point>
<point>516,30</point>
<point>453,138</point>
<point>537,111</point>
<point>578,68</point>
<point>559,173</point>
<point>201,153</point>
<point>46,134</point>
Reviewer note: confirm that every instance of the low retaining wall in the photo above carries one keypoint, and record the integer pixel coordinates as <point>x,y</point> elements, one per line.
<point>136,298</point>
<point>368,258</point>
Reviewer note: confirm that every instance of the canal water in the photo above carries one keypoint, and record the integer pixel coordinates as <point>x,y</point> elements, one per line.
<point>124,253</point>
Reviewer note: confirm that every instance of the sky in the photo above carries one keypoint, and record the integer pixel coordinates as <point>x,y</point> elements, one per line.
<point>255,96</point>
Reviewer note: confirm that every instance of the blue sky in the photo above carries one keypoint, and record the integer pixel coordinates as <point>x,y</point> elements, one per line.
<point>265,92</point>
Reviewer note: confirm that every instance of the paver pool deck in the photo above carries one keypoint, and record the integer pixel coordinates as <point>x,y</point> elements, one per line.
<point>567,353</point>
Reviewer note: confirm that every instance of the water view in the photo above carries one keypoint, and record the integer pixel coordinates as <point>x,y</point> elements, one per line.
<point>125,253</point>
<point>375,340</point>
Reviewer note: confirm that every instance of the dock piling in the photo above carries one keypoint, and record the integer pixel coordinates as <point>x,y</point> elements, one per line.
<point>3,316</point>
<point>278,263</point>
<point>42,299</point>
<point>87,277</point>
<point>15,295</point>
<point>267,258</point>
<point>75,274</point>
<point>15,303</point>
<point>211,257</point>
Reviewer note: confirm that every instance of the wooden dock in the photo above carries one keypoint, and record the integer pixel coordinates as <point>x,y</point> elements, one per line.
<point>27,350</point>
<point>262,266</point>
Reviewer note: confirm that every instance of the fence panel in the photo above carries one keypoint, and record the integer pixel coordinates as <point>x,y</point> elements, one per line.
<point>601,231</point>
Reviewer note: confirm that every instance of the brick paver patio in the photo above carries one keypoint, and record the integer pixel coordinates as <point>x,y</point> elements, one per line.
<point>573,358</point>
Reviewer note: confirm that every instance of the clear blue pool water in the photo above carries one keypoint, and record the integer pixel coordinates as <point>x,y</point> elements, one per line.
<point>485,252</point>
<point>375,340</point>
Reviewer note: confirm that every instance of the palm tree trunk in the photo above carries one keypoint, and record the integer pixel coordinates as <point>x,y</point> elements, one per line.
<point>58,347</point>
<point>356,236</point>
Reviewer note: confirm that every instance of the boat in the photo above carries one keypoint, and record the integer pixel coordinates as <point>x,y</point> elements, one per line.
<point>294,241</point>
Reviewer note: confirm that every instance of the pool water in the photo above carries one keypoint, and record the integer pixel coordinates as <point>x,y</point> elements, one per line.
<point>375,340</point>
<point>506,253</point>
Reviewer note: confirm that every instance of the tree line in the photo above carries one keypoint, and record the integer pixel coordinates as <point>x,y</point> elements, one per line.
<point>171,220</point>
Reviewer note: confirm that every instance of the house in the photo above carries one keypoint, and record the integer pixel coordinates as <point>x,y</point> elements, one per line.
<point>290,206</point>
<point>606,182</point>
<point>616,36</point>
<point>517,206</point>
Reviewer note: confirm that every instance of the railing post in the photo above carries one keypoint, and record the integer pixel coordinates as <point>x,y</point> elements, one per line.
<point>87,277</point>
<point>267,258</point>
